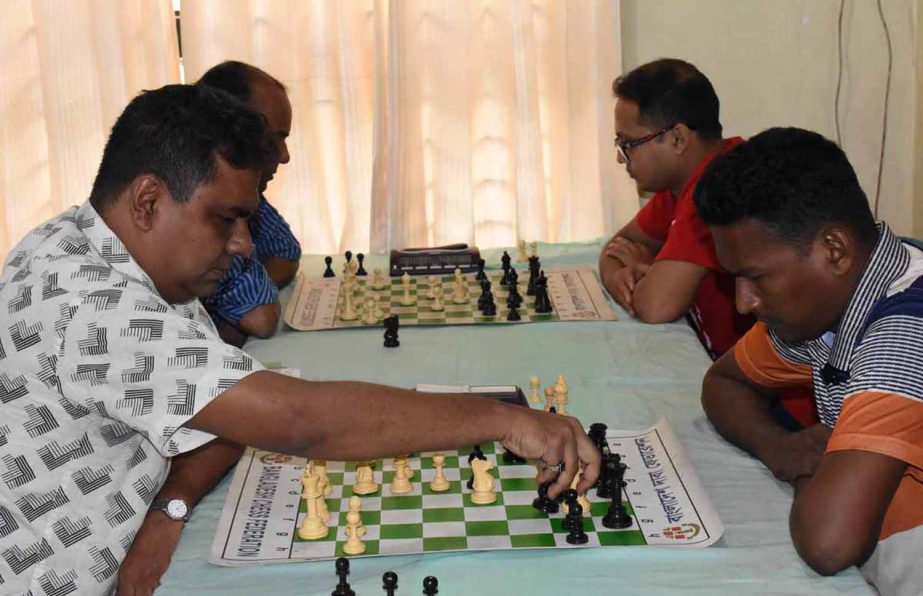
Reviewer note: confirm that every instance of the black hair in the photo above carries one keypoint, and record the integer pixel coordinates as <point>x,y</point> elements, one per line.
<point>670,92</point>
<point>790,180</point>
<point>236,78</point>
<point>175,132</point>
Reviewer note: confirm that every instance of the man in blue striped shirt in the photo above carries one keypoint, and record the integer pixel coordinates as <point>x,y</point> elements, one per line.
<point>246,301</point>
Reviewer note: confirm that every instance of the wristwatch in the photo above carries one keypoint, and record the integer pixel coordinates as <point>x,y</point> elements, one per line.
<point>176,509</point>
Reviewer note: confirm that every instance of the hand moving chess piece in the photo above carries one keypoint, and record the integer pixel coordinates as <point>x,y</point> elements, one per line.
<point>483,485</point>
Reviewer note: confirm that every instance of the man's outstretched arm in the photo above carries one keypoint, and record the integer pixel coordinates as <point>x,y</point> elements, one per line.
<point>192,476</point>
<point>352,421</point>
<point>740,411</point>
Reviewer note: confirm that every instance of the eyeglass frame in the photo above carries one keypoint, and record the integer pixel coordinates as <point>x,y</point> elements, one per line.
<point>623,146</point>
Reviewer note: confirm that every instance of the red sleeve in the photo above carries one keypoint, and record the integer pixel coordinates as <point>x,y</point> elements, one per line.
<point>689,239</point>
<point>655,218</point>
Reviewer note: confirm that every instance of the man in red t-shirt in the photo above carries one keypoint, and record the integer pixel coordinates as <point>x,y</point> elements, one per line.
<point>662,264</point>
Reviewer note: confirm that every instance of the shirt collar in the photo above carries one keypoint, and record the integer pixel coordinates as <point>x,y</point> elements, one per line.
<point>109,246</point>
<point>889,260</point>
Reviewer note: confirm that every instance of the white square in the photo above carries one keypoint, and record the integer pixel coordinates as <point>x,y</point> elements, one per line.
<point>489,542</point>
<point>485,513</point>
<point>415,490</point>
<point>399,546</point>
<point>443,529</point>
<point>314,549</point>
<point>529,526</point>
<point>368,504</point>
<point>517,472</point>
<point>402,516</point>
<point>443,501</point>
<point>519,497</point>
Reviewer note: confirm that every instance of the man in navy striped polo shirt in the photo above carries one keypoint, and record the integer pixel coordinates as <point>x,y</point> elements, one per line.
<point>247,299</point>
<point>840,302</point>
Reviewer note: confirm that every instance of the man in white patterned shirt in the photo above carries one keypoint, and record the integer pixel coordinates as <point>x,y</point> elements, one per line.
<point>110,367</point>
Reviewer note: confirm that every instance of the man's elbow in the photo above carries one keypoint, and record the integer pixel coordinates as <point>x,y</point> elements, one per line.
<point>262,321</point>
<point>654,312</point>
<point>829,548</point>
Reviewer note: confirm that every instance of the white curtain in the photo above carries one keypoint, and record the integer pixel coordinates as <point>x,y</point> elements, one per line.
<point>424,122</point>
<point>67,69</point>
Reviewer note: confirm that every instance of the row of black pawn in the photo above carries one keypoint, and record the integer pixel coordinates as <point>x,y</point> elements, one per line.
<point>388,580</point>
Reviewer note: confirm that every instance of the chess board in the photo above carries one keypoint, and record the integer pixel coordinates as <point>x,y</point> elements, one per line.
<point>316,303</point>
<point>264,509</point>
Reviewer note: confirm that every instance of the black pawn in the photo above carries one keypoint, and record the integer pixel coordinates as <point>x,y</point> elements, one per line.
<point>511,458</point>
<point>542,502</point>
<point>616,517</point>
<point>486,295</point>
<point>481,276</point>
<point>490,308</point>
<point>430,586</point>
<point>361,270</point>
<point>391,324</point>
<point>389,582</point>
<point>343,589</point>
<point>598,436</point>
<point>329,271</point>
<point>349,256</point>
<point>576,535</point>
<point>570,498</point>
<point>513,314</point>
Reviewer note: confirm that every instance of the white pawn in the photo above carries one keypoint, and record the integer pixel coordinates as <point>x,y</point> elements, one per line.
<point>535,384</point>
<point>549,398</point>
<point>400,484</point>
<point>406,299</point>
<point>354,528</point>
<point>377,308</point>
<point>522,257</point>
<point>378,280</point>
<point>483,484</point>
<point>437,304</point>
<point>560,400</point>
<point>431,282</point>
<point>439,483</point>
<point>368,311</point>
<point>365,480</point>
<point>460,289</point>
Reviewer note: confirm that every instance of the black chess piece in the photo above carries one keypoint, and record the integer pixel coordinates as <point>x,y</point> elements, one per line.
<point>349,256</point>
<point>543,502</point>
<point>598,436</point>
<point>542,301</point>
<point>616,517</point>
<point>570,499</point>
<point>476,453</point>
<point>511,458</point>
<point>513,313</point>
<point>329,271</point>
<point>486,295</point>
<point>342,589</point>
<point>430,586</point>
<point>576,535</point>
<point>389,582</point>
<point>360,272</point>
<point>606,472</point>
<point>533,276</point>
<point>391,324</point>
<point>490,308</point>
<point>481,276</point>
<point>505,263</point>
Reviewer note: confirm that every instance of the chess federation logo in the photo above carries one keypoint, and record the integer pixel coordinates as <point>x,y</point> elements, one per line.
<point>276,459</point>
<point>682,531</point>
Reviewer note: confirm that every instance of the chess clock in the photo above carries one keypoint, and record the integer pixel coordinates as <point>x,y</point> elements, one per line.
<point>440,260</point>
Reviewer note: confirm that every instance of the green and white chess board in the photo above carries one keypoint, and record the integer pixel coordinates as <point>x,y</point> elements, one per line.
<point>264,508</point>
<point>317,303</point>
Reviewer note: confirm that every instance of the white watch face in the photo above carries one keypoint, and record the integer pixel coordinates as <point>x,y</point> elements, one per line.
<point>177,509</point>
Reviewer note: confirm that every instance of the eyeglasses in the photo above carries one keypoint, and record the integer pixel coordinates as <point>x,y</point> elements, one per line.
<point>623,146</point>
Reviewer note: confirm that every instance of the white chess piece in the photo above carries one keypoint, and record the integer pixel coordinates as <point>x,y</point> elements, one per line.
<point>534,247</point>
<point>560,399</point>
<point>437,305</point>
<point>349,310</point>
<point>365,480</point>
<point>379,314</point>
<point>549,398</point>
<point>406,299</point>
<point>439,483</point>
<point>460,289</point>
<point>562,383</point>
<point>431,283</point>
<point>378,280</point>
<point>354,528</point>
<point>312,527</point>
<point>368,311</point>
<point>400,484</point>
<point>320,468</point>
<point>483,485</point>
<point>535,384</point>
<point>522,256</point>
<point>584,502</point>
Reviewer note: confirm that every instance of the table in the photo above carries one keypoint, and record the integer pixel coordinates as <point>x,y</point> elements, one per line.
<point>625,373</point>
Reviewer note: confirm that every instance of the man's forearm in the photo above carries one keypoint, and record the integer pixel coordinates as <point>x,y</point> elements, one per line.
<point>194,474</point>
<point>280,270</point>
<point>607,268</point>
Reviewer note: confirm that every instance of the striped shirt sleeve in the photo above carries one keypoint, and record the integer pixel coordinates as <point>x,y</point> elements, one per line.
<point>246,286</point>
<point>762,363</point>
<point>272,236</point>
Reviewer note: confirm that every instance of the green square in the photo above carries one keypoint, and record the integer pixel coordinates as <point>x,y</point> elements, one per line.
<point>524,512</point>
<point>532,540</point>
<point>439,321</point>
<point>398,531</point>
<point>451,461</point>
<point>456,315</point>
<point>627,538</point>
<point>335,478</point>
<point>469,503</point>
<point>443,514</point>
<point>369,518</point>
<point>486,448</point>
<point>445,543</point>
<point>402,502</point>
<point>524,484</point>
<point>371,548</point>
<point>454,489</point>
<point>487,528</point>
<point>600,509</point>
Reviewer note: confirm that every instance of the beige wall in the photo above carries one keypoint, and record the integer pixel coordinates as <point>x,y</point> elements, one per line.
<point>774,62</point>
